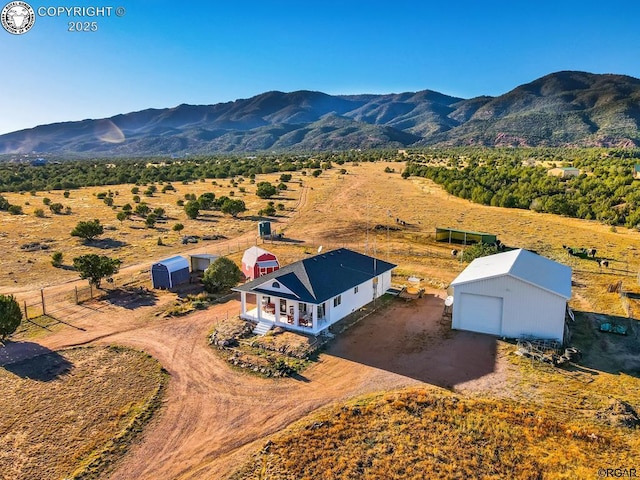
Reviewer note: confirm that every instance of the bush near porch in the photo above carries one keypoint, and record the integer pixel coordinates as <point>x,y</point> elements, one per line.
<point>279,353</point>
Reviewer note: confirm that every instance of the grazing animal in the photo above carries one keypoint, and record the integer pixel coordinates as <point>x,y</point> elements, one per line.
<point>454,252</point>
<point>603,263</point>
<point>592,252</point>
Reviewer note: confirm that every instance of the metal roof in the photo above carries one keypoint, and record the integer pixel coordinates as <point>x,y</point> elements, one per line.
<point>464,231</point>
<point>523,265</point>
<point>208,256</point>
<point>174,263</point>
<point>321,277</point>
<point>251,255</point>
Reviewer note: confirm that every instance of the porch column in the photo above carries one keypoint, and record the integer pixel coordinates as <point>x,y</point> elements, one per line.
<point>296,314</point>
<point>259,306</point>
<point>243,302</point>
<point>277,311</point>
<point>314,316</point>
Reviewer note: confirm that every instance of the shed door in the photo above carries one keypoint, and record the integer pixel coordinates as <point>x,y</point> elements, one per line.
<point>480,313</point>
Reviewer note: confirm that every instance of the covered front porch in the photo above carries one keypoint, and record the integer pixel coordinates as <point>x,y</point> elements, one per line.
<point>292,314</point>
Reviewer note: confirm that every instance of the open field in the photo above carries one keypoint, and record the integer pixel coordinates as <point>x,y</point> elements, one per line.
<point>567,423</point>
<point>425,433</point>
<point>216,418</point>
<point>131,240</point>
<point>73,412</point>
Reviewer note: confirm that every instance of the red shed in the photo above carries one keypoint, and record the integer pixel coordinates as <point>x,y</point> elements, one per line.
<point>257,262</point>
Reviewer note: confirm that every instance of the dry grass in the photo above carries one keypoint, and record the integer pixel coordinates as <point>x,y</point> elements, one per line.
<point>418,433</point>
<point>424,433</point>
<point>74,412</point>
<point>37,327</point>
<point>130,241</point>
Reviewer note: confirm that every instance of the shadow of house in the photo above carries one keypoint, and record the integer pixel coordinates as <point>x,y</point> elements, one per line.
<point>603,351</point>
<point>410,339</point>
<point>33,361</point>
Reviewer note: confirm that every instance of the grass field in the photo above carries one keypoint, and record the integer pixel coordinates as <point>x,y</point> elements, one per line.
<point>540,422</point>
<point>425,433</point>
<point>419,433</point>
<point>131,240</point>
<point>72,413</point>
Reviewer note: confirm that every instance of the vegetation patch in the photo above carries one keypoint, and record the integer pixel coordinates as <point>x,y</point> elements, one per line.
<point>192,302</point>
<point>36,327</point>
<point>279,353</point>
<point>71,414</point>
<point>419,433</point>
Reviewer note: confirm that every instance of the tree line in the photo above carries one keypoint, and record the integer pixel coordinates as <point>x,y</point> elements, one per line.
<point>72,174</point>
<point>604,190</point>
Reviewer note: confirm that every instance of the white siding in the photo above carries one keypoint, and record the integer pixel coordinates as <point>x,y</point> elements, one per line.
<point>527,309</point>
<point>480,313</point>
<point>280,289</point>
<point>350,302</point>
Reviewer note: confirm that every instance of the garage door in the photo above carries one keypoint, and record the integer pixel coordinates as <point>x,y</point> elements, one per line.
<point>480,313</point>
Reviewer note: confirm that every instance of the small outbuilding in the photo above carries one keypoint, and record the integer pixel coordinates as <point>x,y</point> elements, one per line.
<point>201,261</point>
<point>564,172</point>
<point>513,294</point>
<point>170,272</point>
<point>465,237</point>
<point>257,262</point>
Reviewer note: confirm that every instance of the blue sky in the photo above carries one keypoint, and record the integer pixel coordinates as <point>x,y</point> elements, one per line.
<point>160,54</point>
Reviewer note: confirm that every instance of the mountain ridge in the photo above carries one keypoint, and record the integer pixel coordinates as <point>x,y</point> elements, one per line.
<point>566,108</point>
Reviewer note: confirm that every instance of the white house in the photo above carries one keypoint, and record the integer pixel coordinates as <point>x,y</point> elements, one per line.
<point>312,294</point>
<point>512,294</point>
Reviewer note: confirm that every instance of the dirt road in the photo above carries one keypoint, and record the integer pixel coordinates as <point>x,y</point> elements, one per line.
<point>214,416</point>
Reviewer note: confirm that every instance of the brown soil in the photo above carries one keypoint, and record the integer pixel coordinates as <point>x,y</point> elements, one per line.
<point>214,416</point>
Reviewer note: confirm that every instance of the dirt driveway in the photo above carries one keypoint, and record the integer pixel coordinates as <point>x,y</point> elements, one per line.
<point>214,416</point>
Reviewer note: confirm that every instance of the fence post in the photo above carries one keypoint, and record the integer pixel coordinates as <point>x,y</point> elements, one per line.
<point>76,291</point>
<point>91,290</point>
<point>44,311</point>
<point>26,314</point>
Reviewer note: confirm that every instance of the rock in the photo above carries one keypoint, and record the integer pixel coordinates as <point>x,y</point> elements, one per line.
<point>619,414</point>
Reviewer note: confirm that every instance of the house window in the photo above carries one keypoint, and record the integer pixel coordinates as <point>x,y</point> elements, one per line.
<point>355,290</point>
<point>275,285</point>
<point>283,305</point>
<point>337,300</point>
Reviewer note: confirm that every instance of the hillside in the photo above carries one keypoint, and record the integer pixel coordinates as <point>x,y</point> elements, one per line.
<point>560,109</point>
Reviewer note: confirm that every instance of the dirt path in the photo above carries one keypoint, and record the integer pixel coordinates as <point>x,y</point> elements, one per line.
<point>31,294</point>
<point>214,416</point>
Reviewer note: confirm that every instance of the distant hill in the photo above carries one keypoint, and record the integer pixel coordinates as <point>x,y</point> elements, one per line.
<point>560,109</point>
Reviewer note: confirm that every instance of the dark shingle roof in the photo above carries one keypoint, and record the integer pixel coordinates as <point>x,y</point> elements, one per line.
<point>321,277</point>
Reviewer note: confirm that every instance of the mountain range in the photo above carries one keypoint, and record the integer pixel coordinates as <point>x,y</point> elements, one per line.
<point>560,109</point>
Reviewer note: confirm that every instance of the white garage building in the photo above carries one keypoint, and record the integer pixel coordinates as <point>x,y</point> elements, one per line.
<point>512,294</point>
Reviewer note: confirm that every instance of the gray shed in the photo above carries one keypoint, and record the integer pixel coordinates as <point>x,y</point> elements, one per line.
<point>201,261</point>
<point>170,272</point>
